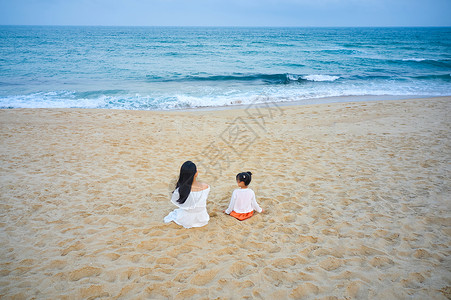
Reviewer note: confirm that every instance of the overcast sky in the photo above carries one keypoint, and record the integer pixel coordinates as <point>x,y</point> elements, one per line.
<point>227,12</point>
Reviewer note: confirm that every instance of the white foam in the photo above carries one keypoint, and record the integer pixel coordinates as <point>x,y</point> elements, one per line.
<point>205,101</point>
<point>209,97</point>
<point>320,77</point>
<point>54,99</point>
<point>293,77</point>
<point>414,59</point>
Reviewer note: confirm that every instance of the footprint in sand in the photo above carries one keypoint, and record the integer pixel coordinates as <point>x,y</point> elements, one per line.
<point>240,269</point>
<point>203,277</point>
<point>84,272</point>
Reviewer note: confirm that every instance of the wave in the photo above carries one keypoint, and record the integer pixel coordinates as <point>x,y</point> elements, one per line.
<point>53,99</point>
<point>285,78</point>
<point>442,63</point>
<point>320,77</point>
<point>340,51</point>
<point>446,77</point>
<point>111,99</point>
<point>414,59</point>
<point>160,96</point>
<point>265,78</point>
<point>268,78</point>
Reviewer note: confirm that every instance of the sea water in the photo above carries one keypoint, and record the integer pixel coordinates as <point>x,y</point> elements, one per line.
<point>181,67</point>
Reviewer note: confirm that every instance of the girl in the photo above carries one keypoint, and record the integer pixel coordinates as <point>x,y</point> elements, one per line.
<point>191,198</point>
<point>243,203</point>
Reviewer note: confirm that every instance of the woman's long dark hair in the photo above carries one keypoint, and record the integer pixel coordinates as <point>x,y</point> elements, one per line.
<point>187,172</point>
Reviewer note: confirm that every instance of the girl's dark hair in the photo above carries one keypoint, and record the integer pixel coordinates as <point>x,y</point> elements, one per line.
<point>186,177</point>
<point>244,176</point>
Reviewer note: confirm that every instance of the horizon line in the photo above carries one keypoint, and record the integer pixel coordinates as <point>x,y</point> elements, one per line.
<point>242,26</point>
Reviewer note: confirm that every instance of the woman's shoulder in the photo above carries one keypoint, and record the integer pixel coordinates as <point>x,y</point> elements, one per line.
<point>201,186</point>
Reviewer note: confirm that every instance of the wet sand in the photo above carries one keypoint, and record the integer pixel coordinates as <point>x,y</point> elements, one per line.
<point>356,199</point>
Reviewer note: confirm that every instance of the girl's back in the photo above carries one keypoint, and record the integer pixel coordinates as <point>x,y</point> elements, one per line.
<point>243,200</point>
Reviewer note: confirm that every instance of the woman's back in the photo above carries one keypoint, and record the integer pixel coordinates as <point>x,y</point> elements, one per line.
<point>191,213</point>
<point>195,199</point>
<point>191,198</point>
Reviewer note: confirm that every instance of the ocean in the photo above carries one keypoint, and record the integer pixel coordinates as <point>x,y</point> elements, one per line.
<point>160,68</point>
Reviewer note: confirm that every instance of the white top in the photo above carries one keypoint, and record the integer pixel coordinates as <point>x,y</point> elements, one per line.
<point>243,201</point>
<point>192,213</point>
<point>194,200</point>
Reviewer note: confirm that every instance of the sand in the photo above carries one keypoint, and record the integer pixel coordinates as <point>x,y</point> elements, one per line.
<point>356,199</point>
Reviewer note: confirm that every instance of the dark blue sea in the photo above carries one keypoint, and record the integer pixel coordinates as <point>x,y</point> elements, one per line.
<point>181,67</point>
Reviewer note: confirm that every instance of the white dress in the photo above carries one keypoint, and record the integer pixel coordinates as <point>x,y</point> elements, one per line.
<point>192,213</point>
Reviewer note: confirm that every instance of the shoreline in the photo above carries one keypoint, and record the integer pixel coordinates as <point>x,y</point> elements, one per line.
<point>310,101</point>
<point>356,200</point>
<point>324,100</point>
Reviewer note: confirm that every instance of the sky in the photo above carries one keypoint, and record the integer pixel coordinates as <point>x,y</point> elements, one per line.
<point>227,12</point>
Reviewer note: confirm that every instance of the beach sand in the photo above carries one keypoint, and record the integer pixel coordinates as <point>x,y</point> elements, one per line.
<point>356,199</point>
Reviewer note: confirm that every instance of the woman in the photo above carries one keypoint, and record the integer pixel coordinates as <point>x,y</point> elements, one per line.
<point>191,198</point>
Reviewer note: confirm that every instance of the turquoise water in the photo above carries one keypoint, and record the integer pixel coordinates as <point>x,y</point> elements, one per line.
<point>180,67</point>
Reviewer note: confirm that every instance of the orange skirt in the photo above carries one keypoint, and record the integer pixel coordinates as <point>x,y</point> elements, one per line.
<point>242,217</point>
